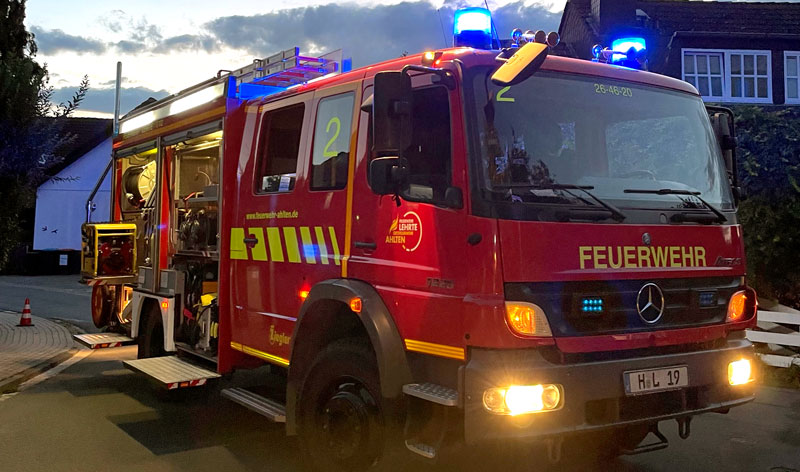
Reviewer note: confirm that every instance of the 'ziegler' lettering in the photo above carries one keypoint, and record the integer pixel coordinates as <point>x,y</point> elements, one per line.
<point>635,257</point>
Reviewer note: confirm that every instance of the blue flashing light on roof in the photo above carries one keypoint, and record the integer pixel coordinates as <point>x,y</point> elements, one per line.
<point>472,27</point>
<point>623,45</point>
<point>628,52</point>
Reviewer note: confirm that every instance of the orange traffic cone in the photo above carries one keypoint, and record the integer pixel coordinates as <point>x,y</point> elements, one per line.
<point>25,319</point>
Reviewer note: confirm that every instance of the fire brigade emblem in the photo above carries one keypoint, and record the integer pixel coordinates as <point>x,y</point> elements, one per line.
<point>406,231</point>
<point>650,303</point>
<point>646,239</point>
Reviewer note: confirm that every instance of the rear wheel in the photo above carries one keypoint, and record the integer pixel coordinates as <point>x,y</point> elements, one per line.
<point>151,333</point>
<point>341,419</point>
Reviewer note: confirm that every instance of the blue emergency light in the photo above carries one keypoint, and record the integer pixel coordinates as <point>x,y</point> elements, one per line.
<point>473,28</point>
<point>629,52</point>
<point>623,45</point>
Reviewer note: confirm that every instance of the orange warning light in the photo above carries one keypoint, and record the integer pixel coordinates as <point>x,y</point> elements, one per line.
<point>355,305</point>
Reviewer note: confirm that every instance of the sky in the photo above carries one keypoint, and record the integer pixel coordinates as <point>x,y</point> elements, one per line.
<point>169,45</point>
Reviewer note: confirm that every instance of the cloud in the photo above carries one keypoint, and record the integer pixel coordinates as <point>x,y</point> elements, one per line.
<point>113,20</point>
<point>369,34</point>
<point>102,99</point>
<point>54,41</point>
<point>187,42</point>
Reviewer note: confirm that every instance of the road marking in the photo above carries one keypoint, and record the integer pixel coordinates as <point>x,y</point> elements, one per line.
<point>50,373</point>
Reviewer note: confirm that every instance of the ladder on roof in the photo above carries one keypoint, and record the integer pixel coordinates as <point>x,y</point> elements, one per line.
<point>288,68</point>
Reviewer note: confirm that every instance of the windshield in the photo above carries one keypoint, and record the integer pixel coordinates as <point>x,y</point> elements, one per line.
<point>620,140</point>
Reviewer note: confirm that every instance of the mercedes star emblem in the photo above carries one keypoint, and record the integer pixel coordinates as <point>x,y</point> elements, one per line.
<point>650,303</point>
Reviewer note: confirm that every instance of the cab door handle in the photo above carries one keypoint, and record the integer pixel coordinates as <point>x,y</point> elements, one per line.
<point>366,245</point>
<point>250,241</point>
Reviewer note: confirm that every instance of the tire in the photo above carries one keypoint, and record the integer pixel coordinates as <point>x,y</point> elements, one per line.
<point>151,333</point>
<point>342,422</point>
<point>102,301</point>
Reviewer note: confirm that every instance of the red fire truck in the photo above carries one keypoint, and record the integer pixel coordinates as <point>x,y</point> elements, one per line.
<point>473,244</point>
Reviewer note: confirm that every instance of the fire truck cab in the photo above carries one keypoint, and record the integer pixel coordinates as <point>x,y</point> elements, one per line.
<point>466,245</point>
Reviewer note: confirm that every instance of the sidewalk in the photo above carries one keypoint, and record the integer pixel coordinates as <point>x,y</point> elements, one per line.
<point>24,352</point>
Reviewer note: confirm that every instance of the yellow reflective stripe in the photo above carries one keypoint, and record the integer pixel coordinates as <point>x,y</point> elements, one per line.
<point>259,251</point>
<point>335,244</point>
<point>308,246</point>
<point>238,249</point>
<point>323,248</point>
<point>292,251</point>
<point>260,354</point>
<point>275,247</point>
<point>435,349</point>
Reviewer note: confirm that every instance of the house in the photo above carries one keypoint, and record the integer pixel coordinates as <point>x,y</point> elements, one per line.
<point>733,52</point>
<point>61,200</point>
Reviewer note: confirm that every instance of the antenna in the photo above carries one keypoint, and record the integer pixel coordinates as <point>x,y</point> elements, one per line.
<point>494,28</point>
<point>444,36</point>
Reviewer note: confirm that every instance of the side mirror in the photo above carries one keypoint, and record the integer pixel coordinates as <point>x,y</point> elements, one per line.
<point>387,175</point>
<point>391,114</point>
<point>523,64</point>
<point>722,123</point>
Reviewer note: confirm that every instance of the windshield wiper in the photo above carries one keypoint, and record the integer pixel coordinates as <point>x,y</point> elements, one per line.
<point>681,217</point>
<point>616,213</point>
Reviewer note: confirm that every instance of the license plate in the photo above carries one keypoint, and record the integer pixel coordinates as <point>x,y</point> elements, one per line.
<point>656,380</point>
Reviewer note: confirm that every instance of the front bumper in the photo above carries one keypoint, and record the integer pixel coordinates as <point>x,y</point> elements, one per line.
<point>594,393</point>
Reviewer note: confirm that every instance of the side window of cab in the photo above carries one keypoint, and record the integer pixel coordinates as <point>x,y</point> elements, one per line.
<point>429,155</point>
<point>276,167</point>
<point>331,152</point>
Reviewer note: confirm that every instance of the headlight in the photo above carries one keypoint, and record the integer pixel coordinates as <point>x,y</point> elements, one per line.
<point>527,319</point>
<point>523,399</point>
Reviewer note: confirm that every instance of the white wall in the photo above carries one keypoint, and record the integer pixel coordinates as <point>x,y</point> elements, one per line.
<point>61,202</point>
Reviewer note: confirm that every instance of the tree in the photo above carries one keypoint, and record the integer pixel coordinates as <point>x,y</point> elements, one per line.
<point>29,124</point>
<point>769,156</point>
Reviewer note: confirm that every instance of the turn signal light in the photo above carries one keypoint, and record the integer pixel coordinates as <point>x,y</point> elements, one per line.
<point>356,305</point>
<point>522,399</point>
<point>527,319</point>
<point>740,372</point>
<point>739,304</point>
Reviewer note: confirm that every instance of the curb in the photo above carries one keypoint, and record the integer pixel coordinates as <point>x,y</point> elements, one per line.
<point>11,384</point>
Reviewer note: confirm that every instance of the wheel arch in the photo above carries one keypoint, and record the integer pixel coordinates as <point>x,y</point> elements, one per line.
<point>328,305</point>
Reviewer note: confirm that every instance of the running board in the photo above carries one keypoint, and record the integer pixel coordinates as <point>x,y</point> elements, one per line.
<point>425,450</point>
<point>432,393</point>
<point>103,340</point>
<point>261,405</point>
<point>172,372</point>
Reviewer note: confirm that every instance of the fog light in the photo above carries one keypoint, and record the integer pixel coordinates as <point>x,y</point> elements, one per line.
<point>522,399</point>
<point>740,372</point>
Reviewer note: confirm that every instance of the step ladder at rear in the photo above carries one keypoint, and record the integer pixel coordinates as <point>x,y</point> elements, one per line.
<point>261,405</point>
<point>171,371</point>
<point>103,340</point>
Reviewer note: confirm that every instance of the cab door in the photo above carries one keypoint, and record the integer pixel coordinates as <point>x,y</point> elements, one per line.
<point>291,216</point>
<point>413,251</point>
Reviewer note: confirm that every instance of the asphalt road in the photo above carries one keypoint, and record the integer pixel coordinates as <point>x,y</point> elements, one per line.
<point>98,416</point>
<point>52,296</point>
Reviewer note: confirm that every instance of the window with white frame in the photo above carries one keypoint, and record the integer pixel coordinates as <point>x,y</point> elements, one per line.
<point>704,71</point>
<point>791,69</point>
<point>729,75</point>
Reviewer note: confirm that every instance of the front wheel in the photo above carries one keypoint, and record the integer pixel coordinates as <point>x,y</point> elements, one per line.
<point>341,421</point>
